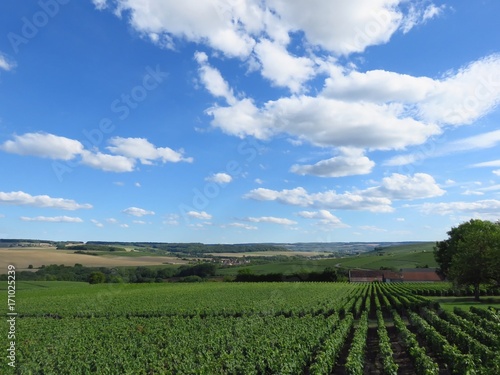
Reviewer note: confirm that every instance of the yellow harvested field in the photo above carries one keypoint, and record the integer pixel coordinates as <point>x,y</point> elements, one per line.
<point>22,257</point>
<point>267,254</point>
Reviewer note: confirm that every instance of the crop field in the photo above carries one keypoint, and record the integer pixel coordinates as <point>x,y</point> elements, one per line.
<point>248,328</point>
<point>23,257</point>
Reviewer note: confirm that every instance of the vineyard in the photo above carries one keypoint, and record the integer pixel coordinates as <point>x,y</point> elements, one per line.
<point>262,328</point>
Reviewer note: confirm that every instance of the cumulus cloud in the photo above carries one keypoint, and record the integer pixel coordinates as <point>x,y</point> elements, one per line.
<point>243,226</point>
<point>487,207</point>
<point>20,198</point>
<point>139,212</point>
<point>54,219</point>
<point>341,27</point>
<point>350,162</point>
<point>220,178</point>
<point>216,23</point>
<point>43,145</point>
<point>325,122</point>
<point>213,80</point>
<point>146,152</point>
<point>281,68</point>
<point>324,217</point>
<point>126,151</point>
<point>402,187</point>
<point>325,200</point>
<point>199,215</point>
<point>107,163</point>
<point>271,219</point>
<point>374,199</point>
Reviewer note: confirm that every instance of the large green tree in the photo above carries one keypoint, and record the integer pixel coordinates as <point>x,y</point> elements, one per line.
<point>470,256</point>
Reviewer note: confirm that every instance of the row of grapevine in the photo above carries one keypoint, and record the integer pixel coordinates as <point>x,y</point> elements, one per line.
<point>458,363</point>
<point>476,319</point>
<point>454,334</point>
<point>486,337</point>
<point>424,365</point>
<point>356,358</point>
<point>327,356</point>
<point>389,366</point>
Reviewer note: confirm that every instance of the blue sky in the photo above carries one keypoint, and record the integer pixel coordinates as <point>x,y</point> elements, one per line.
<point>223,121</point>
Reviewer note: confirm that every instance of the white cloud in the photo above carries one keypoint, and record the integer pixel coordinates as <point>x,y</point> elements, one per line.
<point>107,163</point>
<point>212,79</point>
<point>54,219</point>
<point>464,96</point>
<point>258,181</point>
<point>323,200</point>
<point>497,172</point>
<point>141,222</point>
<point>398,186</point>
<point>20,198</point>
<point>341,27</point>
<point>325,122</point>
<point>472,192</point>
<point>112,220</point>
<point>325,218</point>
<point>146,152</point>
<point>243,226</point>
<point>418,15</point>
<point>6,63</point>
<point>137,184</point>
<point>476,142</point>
<point>199,215</point>
<point>350,162</point>
<point>217,23</point>
<point>374,199</point>
<point>271,219</point>
<point>139,212</point>
<point>378,86</point>
<point>43,145</point>
<point>100,4</point>
<point>171,219</point>
<point>97,223</point>
<point>281,68</point>
<point>493,163</point>
<point>220,178</point>
<point>485,208</point>
<point>124,225</point>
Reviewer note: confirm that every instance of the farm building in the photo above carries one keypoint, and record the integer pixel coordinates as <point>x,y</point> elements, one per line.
<point>361,276</point>
<point>420,274</point>
<point>405,274</point>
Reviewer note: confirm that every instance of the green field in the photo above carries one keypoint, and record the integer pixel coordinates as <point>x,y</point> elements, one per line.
<point>242,328</point>
<point>402,256</point>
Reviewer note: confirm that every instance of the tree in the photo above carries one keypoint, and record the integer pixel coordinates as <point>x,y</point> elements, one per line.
<point>469,257</point>
<point>97,278</point>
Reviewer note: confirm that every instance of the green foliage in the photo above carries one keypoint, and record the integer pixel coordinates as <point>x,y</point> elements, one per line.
<point>226,328</point>
<point>355,362</point>
<point>97,278</point>
<point>470,255</point>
